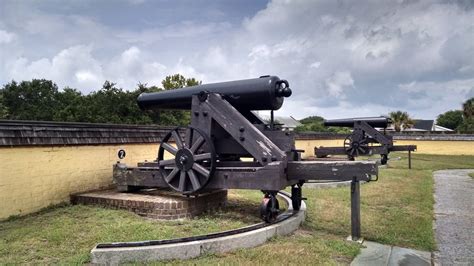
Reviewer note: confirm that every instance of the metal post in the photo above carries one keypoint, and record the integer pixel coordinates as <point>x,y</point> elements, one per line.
<point>272,121</point>
<point>355,209</point>
<point>409,159</point>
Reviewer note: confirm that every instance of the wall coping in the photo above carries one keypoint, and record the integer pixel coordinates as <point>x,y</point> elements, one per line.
<point>43,133</point>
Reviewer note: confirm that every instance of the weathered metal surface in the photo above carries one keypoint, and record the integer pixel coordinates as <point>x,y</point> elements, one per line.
<point>325,151</point>
<point>248,176</point>
<point>362,138</point>
<point>379,121</point>
<point>331,170</point>
<point>231,135</point>
<point>264,93</point>
<point>269,177</point>
<point>403,148</point>
<point>355,209</point>
<point>249,137</point>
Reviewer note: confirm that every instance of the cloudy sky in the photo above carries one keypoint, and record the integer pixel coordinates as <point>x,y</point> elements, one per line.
<point>342,58</point>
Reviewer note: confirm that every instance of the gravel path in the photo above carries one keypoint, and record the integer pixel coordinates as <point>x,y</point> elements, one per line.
<point>454,214</point>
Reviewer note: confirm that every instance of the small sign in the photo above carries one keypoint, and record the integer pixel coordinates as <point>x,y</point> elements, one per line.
<point>121,154</point>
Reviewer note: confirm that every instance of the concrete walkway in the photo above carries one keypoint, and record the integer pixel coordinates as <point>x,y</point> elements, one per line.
<point>377,254</point>
<point>454,217</point>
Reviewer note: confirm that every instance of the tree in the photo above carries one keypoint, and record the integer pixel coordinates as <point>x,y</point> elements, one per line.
<point>30,100</point>
<point>176,117</point>
<point>3,108</point>
<point>468,108</point>
<point>71,106</point>
<point>401,120</point>
<point>111,104</point>
<point>178,81</point>
<point>312,120</point>
<point>316,124</point>
<point>467,125</point>
<point>451,119</point>
<point>41,100</point>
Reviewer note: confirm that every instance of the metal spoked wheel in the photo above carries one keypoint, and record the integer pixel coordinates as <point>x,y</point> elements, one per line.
<point>270,208</point>
<point>192,163</point>
<point>355,147</point>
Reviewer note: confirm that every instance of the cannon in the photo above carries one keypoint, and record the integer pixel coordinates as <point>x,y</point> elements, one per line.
<point>227,146</point>
<point>382,122</point>
<point>364,139</point>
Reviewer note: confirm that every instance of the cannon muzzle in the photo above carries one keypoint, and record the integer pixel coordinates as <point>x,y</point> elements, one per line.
<point>380,121</point>
<point>264,93</point>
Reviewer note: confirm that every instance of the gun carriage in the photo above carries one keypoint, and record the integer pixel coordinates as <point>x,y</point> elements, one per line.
<point>362,139</point>
<point>227,146</point>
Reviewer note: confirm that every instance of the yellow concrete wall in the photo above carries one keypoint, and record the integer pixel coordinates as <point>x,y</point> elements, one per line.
<point>308,145</point>
<point>440,146</point>
<point>32,178</point>
<point>424,146</point>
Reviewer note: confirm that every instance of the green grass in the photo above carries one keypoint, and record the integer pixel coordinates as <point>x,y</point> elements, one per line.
<point>396,210</point>
<point>471,175</point>
<point>66,234</point>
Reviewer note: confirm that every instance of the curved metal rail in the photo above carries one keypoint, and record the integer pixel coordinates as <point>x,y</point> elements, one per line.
<point>285,215</point>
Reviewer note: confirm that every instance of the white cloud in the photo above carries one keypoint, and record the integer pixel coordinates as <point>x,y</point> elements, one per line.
<point>437,95</point>
<point>338,82</point>
<point>74,67</point>
<point>315,65</point>
<point>6,37</point>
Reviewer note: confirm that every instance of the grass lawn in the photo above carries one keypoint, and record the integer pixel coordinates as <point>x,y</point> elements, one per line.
<point>397,210</point>
<point>66,234</point>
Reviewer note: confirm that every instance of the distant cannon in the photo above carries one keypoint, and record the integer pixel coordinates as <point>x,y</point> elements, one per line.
<point>228,146</point>
<point>381,121</point>
<point>362,138</point>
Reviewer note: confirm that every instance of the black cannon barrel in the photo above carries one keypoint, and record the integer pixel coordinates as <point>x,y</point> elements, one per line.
<point>379,121</point>
<point>264,93</point>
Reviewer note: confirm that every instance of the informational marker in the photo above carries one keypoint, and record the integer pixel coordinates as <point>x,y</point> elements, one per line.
<point>121,154</point>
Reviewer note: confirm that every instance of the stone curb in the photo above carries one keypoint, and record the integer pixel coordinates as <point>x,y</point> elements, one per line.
<point>193,249</point>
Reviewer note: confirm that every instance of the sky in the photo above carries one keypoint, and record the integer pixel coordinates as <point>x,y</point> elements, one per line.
<point>342,58</point>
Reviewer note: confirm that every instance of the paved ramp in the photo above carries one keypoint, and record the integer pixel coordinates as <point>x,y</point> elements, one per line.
<point>454,214</point>
<point>375,254</point>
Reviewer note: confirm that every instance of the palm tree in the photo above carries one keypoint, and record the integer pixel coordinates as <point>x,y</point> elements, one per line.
<point>468,108</point>
<point>401,120</point>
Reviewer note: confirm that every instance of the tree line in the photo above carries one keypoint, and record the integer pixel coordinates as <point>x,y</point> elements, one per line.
<point>459,120</point>
<point>41,99</point>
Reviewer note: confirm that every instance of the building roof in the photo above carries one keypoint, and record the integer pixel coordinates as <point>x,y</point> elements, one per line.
<point>440,128</point>
<point>421,124</point>
<point>427,125</point>
<point>286,121</point>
